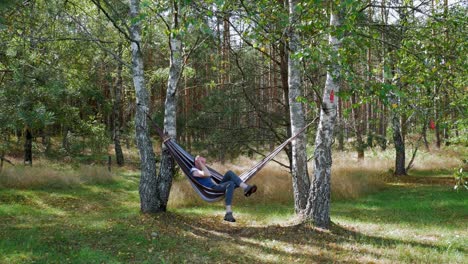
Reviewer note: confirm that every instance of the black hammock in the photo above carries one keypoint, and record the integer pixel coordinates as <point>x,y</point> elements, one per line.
<point>186,162</point>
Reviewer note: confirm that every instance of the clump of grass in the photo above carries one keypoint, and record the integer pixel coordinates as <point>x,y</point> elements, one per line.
<point>354,179</point>
<point>95,175</point>
<point>23,177</point>
<point>437,160</point>
<point>182,194</point>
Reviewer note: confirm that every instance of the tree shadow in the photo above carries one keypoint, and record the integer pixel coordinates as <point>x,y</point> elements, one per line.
<point>301,242</point>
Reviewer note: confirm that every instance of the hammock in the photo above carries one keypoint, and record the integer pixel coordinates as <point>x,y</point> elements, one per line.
<point>186,162</point>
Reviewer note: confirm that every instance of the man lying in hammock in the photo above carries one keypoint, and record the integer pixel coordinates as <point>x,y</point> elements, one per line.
<point>229,182</point>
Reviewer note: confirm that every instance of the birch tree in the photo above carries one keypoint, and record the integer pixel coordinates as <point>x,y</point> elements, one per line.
<point>166,171</point>
<point>318,206</point>
<point>148,191</point>
<point>300,176</point>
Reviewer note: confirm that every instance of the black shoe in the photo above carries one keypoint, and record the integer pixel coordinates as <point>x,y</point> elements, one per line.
<point>249,190</point>
<point>228,217</point>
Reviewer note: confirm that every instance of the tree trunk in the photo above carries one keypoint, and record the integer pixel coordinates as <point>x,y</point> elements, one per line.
<point>369,119</point>
<point>397,138</point>
<point>357,114</point>
<point>383,117</point>
<point>340,125</point>
<point>436,93</point>
<point>1,161</point>
<point>399,117</point>
<point>284,85</point>
<point>318,206</point>
<point>148,195</point>
<point>424,135</point>
<point>116,113</point>
<point>65,143</point>
<point>28,147</point>
<point>166,171</point>
<point>300,176</point>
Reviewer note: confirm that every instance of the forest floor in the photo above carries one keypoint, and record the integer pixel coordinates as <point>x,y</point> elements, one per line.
<point>59,212</point>
<point>415,219</point>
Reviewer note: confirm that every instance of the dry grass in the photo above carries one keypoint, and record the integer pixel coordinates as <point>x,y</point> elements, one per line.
<point>24,177</point>
<point>439,159</point>
<point>350,178</point>
<point>353,179</point>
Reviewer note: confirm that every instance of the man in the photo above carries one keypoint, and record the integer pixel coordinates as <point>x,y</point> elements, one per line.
<point>229,182</point>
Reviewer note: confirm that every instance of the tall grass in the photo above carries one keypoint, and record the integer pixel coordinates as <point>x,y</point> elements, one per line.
<point>350,178</point>
<point>24,177</point>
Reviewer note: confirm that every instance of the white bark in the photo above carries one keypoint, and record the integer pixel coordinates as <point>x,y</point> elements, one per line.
<point>166,172</point>
<point>300,176</point>
<point>318,206</point>
<point>148,196</point>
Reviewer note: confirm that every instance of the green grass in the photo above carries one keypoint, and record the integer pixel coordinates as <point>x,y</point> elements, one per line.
<point>409,222</point>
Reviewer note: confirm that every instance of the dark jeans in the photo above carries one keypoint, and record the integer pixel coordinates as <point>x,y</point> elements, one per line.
<point>229,182</point>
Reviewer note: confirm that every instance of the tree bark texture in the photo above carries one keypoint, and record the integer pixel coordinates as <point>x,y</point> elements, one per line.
<point>166,172</point>
<point>149,201</point>
<point>300,176</point>
<point>318,206</point>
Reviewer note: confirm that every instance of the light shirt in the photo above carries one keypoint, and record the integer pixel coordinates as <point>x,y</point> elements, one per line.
<point>205,181</point>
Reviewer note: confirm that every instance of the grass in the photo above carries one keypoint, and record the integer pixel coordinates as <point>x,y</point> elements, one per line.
<point>42,176</point>
<point>407,221</point>
<point>377,219</point>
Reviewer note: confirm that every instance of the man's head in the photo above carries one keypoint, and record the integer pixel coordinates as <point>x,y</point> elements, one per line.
<point>199,161</point>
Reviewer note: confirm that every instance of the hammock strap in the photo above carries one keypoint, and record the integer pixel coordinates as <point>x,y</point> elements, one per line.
<point>250,173</point>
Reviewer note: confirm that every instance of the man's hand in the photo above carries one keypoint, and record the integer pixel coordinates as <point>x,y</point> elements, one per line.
<point>200,163</point>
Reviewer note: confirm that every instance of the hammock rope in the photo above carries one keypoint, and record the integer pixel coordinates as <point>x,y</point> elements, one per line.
<point>186,162</point>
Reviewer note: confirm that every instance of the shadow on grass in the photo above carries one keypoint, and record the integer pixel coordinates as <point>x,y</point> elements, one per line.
<point>96,224</point>
<point>301,242</point>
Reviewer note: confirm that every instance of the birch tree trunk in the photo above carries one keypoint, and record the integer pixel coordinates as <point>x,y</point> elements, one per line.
<point>166,171</point>
<point>318,206</point>
<point>149,202</point>
<point>300,176</point>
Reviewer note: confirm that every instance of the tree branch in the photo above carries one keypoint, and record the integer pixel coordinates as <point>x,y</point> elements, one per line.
<point>117,57</point>
<point>98,5</point>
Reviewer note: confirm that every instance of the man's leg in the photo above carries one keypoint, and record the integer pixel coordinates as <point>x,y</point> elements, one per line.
<point>228,187</point>
<point>231,176</point>
<point>248,189</point>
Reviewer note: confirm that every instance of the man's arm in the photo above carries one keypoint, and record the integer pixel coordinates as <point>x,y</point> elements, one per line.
<point>204,172</point>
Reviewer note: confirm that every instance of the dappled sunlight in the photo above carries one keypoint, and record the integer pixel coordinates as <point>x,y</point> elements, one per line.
<point>16,257</point>
<point>102,222</point>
